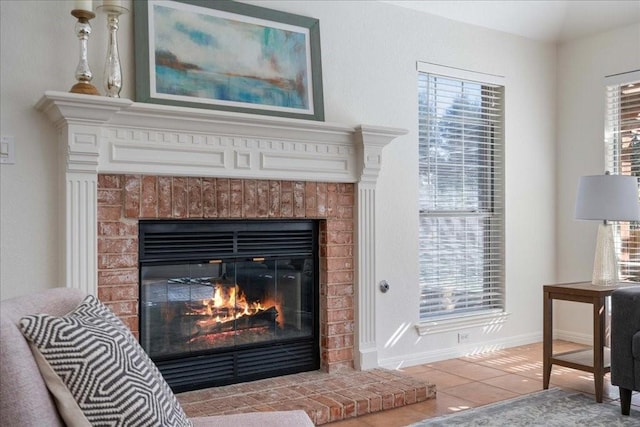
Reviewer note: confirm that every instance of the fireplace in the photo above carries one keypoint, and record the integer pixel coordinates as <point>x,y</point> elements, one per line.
<point>228,301</point>
<point>107,144</point>
<point>129,203</point>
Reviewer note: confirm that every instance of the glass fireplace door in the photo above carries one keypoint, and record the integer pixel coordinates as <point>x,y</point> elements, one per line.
<point>189,308</point>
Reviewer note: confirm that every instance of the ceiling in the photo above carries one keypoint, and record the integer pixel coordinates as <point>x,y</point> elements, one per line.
<point>551,20</point>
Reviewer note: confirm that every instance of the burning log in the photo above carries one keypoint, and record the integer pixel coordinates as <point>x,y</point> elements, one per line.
<point>211,325</point>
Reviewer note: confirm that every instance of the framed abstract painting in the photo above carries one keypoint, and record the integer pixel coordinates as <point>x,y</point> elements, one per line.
<point>229,56</point>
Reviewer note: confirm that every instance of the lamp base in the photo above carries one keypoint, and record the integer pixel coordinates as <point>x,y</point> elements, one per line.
<point>605,266</point>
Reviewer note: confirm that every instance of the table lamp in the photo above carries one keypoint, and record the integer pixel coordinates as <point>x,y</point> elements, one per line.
<point>607,198</point>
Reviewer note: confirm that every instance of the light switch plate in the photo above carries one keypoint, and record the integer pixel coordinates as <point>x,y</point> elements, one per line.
<point>7,150</point>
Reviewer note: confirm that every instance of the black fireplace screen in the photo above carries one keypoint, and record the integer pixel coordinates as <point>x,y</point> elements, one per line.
<point>228,301</point>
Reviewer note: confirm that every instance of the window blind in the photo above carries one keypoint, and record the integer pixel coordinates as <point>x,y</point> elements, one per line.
<point>622,148</point>
<point>461,172</point>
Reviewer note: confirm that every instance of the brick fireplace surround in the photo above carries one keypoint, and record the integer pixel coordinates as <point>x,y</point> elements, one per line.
<point>121,161</point>
<point>123,199</point>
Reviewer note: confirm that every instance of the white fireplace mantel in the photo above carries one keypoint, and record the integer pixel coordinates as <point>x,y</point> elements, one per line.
<point>114,135</point>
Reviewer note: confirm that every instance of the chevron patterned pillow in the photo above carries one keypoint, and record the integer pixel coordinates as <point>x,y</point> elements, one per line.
<point>97,371</point>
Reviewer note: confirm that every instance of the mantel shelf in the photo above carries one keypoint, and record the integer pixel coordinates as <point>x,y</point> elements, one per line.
<point>68,109</point>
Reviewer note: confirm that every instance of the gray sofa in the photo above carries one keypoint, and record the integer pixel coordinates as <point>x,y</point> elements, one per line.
<point>24,398</point>
<point>625,343</point>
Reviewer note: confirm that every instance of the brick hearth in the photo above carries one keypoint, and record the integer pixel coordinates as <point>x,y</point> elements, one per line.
<point>123,199</point>
<point>324,397</point>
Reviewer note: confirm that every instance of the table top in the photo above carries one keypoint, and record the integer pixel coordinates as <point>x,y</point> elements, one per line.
<point>586,288</point>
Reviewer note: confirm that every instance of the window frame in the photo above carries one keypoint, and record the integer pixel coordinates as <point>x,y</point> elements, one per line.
<point>483,317</point>
<point>614,124</point>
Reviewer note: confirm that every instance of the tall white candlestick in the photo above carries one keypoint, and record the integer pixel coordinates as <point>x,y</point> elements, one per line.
<point>83,5</point>
<point>83,14</point>
<point>112,70</point>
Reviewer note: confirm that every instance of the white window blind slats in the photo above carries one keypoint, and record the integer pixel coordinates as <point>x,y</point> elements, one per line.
<point>461,196</point>
<point>622,151</point>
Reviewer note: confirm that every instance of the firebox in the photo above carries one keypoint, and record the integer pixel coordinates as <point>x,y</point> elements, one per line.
<point>223,302</point>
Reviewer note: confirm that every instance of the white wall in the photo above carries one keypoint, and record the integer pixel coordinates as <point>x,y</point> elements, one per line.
<point>369,51</point>
<point>41,56</point>
<point>582,67</point>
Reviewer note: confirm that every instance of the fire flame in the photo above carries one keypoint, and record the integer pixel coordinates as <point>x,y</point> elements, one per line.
<point>230,303</point>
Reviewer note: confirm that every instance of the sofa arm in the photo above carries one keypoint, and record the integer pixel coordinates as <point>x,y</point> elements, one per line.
<point>24,397</point>
<point>625,323</point>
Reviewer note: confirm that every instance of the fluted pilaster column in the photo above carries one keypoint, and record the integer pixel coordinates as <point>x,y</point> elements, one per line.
<point>79,170</point>
<point>79,121</point>
<point>371,140</point>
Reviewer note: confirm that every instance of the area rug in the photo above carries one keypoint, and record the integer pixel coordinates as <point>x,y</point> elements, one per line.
<point>553,407</point>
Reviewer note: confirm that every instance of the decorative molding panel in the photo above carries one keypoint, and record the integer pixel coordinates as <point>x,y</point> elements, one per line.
<point>134,137</point>
<point>114,135</point>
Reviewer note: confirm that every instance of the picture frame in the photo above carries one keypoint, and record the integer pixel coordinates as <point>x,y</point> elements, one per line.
<point>229,56</point>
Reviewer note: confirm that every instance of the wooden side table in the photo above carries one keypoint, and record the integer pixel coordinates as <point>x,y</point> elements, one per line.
<point>596,360</point>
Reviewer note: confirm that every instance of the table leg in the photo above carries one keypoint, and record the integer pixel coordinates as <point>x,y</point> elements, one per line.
<point>598,346</point>
<point>547,339</point>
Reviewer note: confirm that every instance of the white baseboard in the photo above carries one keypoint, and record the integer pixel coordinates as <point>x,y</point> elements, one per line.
<point>458,351</point>
<point>573,337</point>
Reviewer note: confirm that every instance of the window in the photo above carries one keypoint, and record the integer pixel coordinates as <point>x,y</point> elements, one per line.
<point>622,148</point>
<point>461,167</point>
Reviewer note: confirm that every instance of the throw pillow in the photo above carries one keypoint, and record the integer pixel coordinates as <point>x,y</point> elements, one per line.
<point>97,372</point>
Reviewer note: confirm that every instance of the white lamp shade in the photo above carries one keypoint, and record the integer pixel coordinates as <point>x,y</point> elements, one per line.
<point>608,197</point>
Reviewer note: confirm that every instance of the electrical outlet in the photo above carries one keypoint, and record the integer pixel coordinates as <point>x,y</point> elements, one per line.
<point>463,337</point>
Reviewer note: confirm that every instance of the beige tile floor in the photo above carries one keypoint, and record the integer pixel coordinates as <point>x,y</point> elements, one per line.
<point>472,381</point>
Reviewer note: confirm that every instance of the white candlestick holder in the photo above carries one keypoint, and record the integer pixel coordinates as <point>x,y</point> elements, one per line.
<point>83,73</point>
<point>112,77</point>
